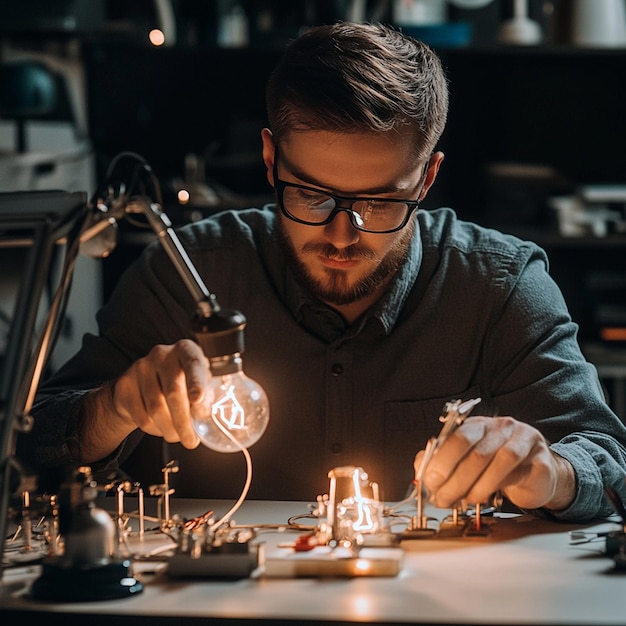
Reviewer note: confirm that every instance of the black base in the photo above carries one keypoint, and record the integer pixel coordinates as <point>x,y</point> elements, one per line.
<point>230,561</point>
<point>61,583</point>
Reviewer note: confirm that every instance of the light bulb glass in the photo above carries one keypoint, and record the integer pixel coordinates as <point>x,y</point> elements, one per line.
<point>236,413</point>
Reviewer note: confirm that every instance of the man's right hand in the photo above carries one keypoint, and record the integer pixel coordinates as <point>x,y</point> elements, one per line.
<point>157,394</point>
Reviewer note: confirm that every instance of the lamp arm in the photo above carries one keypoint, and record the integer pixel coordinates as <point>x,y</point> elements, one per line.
<point>206,302</point>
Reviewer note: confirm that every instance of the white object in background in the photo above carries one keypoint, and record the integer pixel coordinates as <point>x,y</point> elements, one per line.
<point>167,20</point>
<point>600,23</point>
<point>356,11</point>
<point>419,12</point>
<point>233,28</point>
<point>520,29</point>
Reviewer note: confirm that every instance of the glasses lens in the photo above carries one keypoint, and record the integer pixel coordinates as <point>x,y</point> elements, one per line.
<point>380,215</point>
<point>307,205</point>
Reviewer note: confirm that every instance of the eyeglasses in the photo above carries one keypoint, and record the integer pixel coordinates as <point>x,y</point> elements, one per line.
<point>316,207</point>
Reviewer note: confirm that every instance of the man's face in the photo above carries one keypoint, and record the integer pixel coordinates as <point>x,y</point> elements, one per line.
<point>339,264</point>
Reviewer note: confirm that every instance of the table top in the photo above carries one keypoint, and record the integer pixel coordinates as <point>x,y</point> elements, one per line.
<point>524,570</point>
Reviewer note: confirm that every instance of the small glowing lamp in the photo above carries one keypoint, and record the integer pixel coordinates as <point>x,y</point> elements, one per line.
<point>156,37</point>
<point>183,196</point>
<point>353,505</point>
<point>236,412</point>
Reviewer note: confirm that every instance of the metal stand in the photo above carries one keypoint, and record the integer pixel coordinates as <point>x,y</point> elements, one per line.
<point>40,220</point>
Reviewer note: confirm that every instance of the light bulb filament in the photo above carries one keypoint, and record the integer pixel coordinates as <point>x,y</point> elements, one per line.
<point>228,410</point>
<point>364,521</point>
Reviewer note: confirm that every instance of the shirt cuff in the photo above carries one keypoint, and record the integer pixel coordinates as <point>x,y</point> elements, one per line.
<point>588,501</point>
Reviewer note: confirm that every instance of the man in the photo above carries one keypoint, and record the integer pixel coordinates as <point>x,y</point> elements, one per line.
<point>365,316</point>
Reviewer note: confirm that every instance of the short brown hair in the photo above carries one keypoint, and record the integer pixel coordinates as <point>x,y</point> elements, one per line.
<point>352,77</point>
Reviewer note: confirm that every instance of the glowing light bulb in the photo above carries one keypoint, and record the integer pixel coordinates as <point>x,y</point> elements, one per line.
<point>354,508</point>
<point>236,412</point>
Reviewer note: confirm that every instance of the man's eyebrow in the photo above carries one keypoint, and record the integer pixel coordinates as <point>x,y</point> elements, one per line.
<point>308,179</point>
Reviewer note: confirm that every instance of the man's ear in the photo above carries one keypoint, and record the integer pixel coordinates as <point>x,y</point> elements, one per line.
<point>434,164</point>
<point>268,153</point>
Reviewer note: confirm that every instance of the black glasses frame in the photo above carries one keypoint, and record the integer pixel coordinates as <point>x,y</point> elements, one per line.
<point>347,202</point>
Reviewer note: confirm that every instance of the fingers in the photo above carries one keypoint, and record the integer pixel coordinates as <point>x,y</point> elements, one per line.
<point>195,365</point>
<point>486,455</point>
<point>456,472</point>
<point>157,391</point>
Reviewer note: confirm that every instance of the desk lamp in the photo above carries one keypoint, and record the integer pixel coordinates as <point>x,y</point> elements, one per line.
<point>236,413</point>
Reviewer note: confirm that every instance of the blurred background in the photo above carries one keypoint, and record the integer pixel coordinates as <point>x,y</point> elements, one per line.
<point>534,144</point>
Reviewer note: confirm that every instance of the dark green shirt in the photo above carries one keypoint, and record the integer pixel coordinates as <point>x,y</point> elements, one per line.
<point>472,312</point>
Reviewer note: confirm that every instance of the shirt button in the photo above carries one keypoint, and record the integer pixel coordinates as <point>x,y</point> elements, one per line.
<point>336,448</point>
<point>337,369</point>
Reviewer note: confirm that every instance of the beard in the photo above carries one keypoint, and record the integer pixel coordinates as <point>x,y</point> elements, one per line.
<point>336,289</point>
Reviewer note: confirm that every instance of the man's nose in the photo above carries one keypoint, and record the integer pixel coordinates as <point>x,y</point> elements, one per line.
<point>341,231</point>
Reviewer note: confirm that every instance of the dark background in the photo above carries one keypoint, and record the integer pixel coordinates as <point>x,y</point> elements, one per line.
<point>553,114</point>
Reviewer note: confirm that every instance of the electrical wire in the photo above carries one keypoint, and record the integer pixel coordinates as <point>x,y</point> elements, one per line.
<point>248,481</point>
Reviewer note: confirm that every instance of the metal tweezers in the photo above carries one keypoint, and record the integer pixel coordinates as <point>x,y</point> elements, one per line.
<point>454,414</point>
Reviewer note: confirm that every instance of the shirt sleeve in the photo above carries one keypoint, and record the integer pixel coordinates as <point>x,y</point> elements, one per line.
<point>53,447</point>
<point>539,375</point>
<point>598,461</point>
